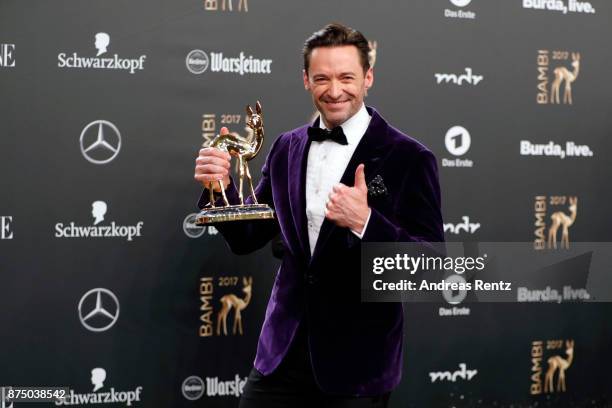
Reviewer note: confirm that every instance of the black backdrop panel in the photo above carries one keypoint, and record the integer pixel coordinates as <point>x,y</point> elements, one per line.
<point>138,314</point>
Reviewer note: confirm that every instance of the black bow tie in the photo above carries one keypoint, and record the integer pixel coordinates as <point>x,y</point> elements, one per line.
<point>317,134</point>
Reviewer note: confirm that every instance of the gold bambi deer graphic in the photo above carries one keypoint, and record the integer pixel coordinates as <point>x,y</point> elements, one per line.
<point>244,148</point>
<point>564,74</point>
<point>560,218</point>
<point>559,363</point>
<point>232,301</point>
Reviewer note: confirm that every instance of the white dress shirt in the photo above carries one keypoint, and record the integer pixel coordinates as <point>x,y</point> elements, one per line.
<point>327,161</point>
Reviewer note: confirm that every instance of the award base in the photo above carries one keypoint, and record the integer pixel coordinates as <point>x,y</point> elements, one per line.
<point>214,215</point>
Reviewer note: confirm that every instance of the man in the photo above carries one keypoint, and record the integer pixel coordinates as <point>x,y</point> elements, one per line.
<point>331,190</point>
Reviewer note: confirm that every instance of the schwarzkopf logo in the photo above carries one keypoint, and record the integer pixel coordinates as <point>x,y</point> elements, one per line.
<point>7,59</point>
<point>6,227</point>
<point>98,212</point>
<point>197,62</point>
<point>98,376</point>
<point>100,142</point>
<point>102,42</point>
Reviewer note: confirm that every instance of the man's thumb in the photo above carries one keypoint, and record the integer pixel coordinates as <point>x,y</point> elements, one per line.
<point>360,182</point>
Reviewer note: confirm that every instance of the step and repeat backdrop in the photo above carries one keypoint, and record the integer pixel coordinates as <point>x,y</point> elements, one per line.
<point>109,288</point>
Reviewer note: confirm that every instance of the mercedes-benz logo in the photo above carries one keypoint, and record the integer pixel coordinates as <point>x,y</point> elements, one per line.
<point>98,309</point>
<point>100,142</point>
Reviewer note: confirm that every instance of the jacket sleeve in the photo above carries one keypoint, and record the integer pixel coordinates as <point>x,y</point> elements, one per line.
<point>417,214</point>
<point>244,237</point>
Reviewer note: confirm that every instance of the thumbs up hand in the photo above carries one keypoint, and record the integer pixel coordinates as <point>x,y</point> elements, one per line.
<point>348,206</point>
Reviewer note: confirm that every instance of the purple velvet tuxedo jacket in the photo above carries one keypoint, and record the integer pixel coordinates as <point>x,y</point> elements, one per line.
<point>355,348</point>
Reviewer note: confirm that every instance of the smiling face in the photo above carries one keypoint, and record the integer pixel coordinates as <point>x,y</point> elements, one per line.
<point>337,82</point>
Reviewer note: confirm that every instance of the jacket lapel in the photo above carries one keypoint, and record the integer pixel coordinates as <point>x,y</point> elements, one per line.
<point>298,159</point>
<point>371,151</point>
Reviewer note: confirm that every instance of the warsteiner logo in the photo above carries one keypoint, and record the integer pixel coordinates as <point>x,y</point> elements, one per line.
<point>546,233</point>
<point>194,387</point>
<point>198,61</point>
<point>559,356</point>
<point>229,302</point>
<point>558,88</point>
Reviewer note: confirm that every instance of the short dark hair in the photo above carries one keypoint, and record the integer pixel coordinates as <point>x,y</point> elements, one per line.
<point>335,35</point>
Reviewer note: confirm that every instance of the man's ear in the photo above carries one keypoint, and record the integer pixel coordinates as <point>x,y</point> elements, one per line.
<point>305,78</point>
<point>369,78</point>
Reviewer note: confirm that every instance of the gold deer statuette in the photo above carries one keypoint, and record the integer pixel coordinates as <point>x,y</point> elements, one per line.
<point>244,149</point>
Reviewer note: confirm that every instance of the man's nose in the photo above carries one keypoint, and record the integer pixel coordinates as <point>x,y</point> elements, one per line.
<point>335,90</point>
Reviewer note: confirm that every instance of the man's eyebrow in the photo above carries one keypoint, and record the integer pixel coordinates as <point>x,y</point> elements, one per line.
<point>320,74</point>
